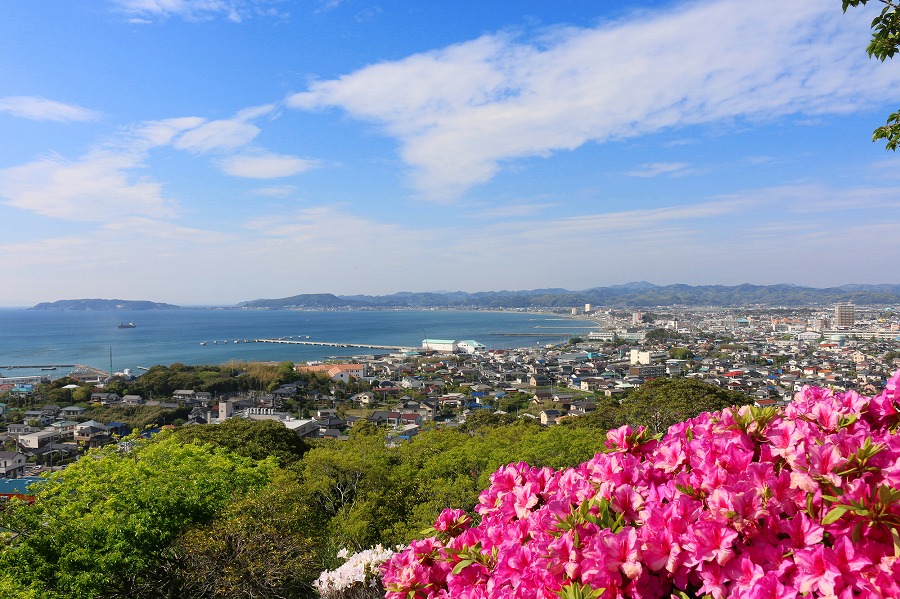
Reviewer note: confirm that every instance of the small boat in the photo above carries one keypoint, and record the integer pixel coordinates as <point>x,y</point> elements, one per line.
<point>127,325</point>
<point>203,343</point>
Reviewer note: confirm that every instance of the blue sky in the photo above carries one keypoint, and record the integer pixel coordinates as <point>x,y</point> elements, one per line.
<point>214,151</point>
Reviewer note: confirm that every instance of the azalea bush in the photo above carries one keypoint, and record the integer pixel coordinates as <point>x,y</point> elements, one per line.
<point>756,503</point>
<point>359,577</point>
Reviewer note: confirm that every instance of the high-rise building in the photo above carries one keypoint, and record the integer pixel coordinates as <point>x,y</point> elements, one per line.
<point>844,315</point>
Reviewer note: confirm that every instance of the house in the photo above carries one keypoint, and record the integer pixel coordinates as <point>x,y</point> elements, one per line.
<point>12,464</point>
<point>89,424</point>
<point>38,439</point>
<point>538,380</point>
<point>410,418</point>
<point>21,429</point>
<point>330,423</point>
<point>337,372</point>
<point>93,436</point>
<point>183,395</point>
<point>303,428</point>
<point>117,428</point>
<point>542,395</point>
<point>204,398</point>
<point>38,416</point>
<point>286,391</point>
<point>549,417</point>
<point>64,428</point>
<point>583,407</point>
<point>365,398</point>
<point>198,415</point>
<point>105,398</point>
<point>72,411</point>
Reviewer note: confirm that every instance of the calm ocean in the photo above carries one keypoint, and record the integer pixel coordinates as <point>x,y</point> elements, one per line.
<point>38,338</point>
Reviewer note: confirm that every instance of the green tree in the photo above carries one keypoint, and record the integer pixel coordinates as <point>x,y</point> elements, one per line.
<point>82,393</point>
<point>485,418</point>
<point>660,403</point>
<point>681,353</point>
<point>105,527</point>
<point>884,44</point>
<point>250,438</point>
<point>259,547</point>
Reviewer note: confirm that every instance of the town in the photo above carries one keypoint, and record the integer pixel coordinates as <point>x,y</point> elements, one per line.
<point>766,354</point>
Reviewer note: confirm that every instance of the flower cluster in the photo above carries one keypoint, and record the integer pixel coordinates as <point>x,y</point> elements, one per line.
<point>754,503</point>
<point>358,576</point>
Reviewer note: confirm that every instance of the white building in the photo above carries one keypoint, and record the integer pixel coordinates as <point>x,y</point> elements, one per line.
<point>470,346</point>
<point>446,346</point>
<point>15,381</point>
<point>601,336</point>
<point>12,464</point>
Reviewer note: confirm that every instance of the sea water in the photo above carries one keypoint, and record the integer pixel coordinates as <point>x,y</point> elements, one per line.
<point>38,338</point>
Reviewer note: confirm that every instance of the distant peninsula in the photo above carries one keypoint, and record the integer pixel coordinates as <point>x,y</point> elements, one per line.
<point>636,294</point>
<point>102,305</point>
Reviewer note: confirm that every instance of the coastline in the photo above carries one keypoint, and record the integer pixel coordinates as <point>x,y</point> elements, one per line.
<point>171,336</point>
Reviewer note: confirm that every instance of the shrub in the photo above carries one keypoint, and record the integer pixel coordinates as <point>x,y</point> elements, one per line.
<point>754,503</point>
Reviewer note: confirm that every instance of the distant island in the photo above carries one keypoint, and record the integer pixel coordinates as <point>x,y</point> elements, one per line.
<point>632,294</point>
<point>102,305</point>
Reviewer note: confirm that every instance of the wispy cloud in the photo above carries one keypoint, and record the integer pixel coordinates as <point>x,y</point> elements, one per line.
<point>513,211</point>
<point>42,109</point>
<point>275,191</point>
<point>145,11</point>
<point>226,134</point>
<point>107,184</point>
<point>101,186</point>
<point>265,165</point>
<point>110,182</point>
<point>460,112</point>
<point>655,169</point>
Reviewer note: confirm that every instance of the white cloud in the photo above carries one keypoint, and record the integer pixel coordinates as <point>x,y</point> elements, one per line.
<point>102,186</point>
<point>143,11</point>
<point>461,111</point>
<point>41,109</point>
<point>276,191</point>
<point>655,169</point>
<point>222,134</point>
<point>265,166</point>
<point>162,133</point>
<point>106,183</point>
<point>512,211</point>
<point>225,134</point>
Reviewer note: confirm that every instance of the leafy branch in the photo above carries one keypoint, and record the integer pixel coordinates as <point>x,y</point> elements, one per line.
<point>884,44</point>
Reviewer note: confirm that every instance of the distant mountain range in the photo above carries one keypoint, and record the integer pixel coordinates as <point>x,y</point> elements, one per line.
<point>103,305</point>
<point>635,294</point>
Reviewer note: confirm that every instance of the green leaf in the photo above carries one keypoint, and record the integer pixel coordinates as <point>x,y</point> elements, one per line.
<point>834,515</point>
<point>462,565</point>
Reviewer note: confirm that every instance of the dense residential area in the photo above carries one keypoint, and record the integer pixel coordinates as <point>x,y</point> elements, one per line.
<point>767,355</point>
